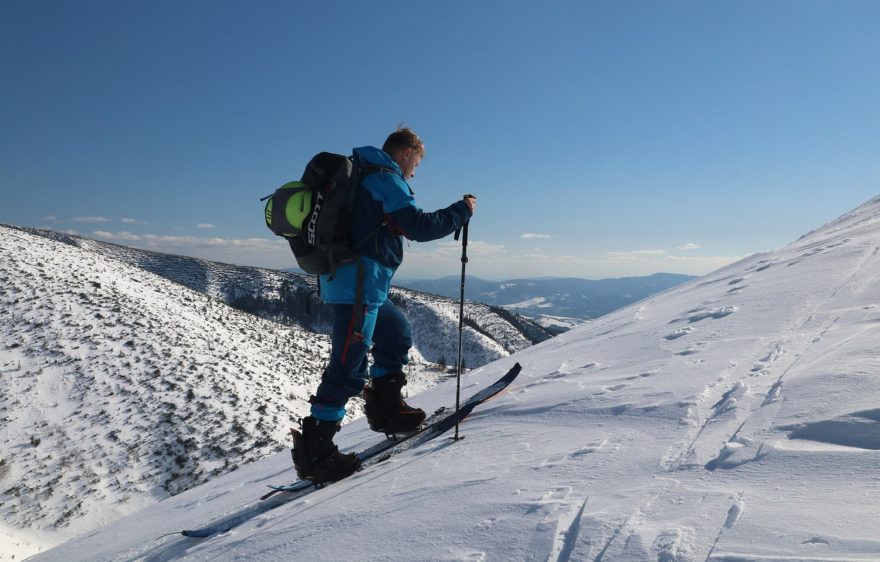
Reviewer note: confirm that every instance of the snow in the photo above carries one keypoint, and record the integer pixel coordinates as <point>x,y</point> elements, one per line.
<point>537,302</point>
<point>119,387</point>
<point>733,418</point>
<point>558,324</point>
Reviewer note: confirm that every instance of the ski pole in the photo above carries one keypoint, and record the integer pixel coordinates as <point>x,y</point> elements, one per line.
<point>464,261</point>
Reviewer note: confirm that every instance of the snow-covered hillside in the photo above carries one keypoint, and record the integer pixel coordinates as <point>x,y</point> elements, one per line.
<point>734,418</point>
<point>119,387</point>
<point>292,298</point>
<point>435,327</point>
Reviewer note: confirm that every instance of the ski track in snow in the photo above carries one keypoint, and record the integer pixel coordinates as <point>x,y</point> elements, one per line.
<point>772,394</point>
<point>733,515</point>
<point>567,535</point>
<point>758,388</point>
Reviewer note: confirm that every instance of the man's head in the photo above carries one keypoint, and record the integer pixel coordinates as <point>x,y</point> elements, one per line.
<point>406,148</point>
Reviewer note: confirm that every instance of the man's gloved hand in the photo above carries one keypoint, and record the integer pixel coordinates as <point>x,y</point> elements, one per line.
<point>471,201</point>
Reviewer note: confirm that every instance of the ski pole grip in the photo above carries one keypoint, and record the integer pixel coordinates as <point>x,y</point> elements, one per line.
<point>469,196</point>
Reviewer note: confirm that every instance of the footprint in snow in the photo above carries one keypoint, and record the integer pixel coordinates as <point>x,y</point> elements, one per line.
<point>697,314</point>
<point>694,349</point>
<point>641,376</point>
<point>729,399</point>
<point>734,513</point>
<point>674,544</point>
<point>583,451</point>
<point>714,313</point>
<point>763,365</point>
<point>817,540</point>
<point>727,450</point>
<point>564,371</point>
<point>467,555</point>
<point>681,332</point>
<point>556,495</point>
<point>587,449</point>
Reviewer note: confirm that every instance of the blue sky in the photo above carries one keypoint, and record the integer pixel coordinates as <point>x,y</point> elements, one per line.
<point>601,138</point>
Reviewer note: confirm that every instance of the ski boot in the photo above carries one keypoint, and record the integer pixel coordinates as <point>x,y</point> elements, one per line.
<point>387,412</point>
<point>316,458</point>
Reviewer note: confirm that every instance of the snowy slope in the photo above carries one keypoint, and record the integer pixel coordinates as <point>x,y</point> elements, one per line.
<point>119,387</point>
<point>435,325</point>
<point>292,298</point>
<point>733,418</point>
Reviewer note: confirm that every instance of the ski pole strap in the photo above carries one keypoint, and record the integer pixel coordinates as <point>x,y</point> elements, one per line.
<point>458,233</point>
<point>459,229</point>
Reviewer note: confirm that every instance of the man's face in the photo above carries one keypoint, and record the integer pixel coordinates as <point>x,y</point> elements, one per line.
<point>408,160</point>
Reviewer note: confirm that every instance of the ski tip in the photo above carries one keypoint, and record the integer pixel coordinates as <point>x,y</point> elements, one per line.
<point>195,534</point>
<point>513,372</point>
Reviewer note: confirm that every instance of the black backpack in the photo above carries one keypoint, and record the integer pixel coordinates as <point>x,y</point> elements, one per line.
<point>314,214</point>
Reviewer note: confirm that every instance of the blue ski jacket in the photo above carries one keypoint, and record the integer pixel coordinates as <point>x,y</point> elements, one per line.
<point>386,198</point>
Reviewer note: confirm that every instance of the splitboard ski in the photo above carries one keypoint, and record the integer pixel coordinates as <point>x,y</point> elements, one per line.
<point>435,426</point>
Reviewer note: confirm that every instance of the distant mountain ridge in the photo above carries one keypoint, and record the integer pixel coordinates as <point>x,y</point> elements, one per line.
<point>582,299</point>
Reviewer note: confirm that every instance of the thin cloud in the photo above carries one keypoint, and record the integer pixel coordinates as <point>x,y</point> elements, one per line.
<point>452,250</point>
<point>637,253</point>
<point>186,241</point>
<point>660,258</point>
<point>91,219</point>
<point>260,252</point>
<point>125,235</point>
<point>717,261</point>
<point>205,225</point>
<point>689,246</point>
<point>126,220</point>
<point>534,236</point>
<point>546,258</point>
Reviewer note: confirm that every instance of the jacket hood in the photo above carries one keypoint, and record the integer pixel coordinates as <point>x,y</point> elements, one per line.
<point>377,157</point>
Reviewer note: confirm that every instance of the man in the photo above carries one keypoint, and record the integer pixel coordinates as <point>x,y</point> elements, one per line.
<point>363,318</point>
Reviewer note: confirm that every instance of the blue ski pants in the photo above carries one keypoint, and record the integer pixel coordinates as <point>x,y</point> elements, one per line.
<point>385,329</point>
